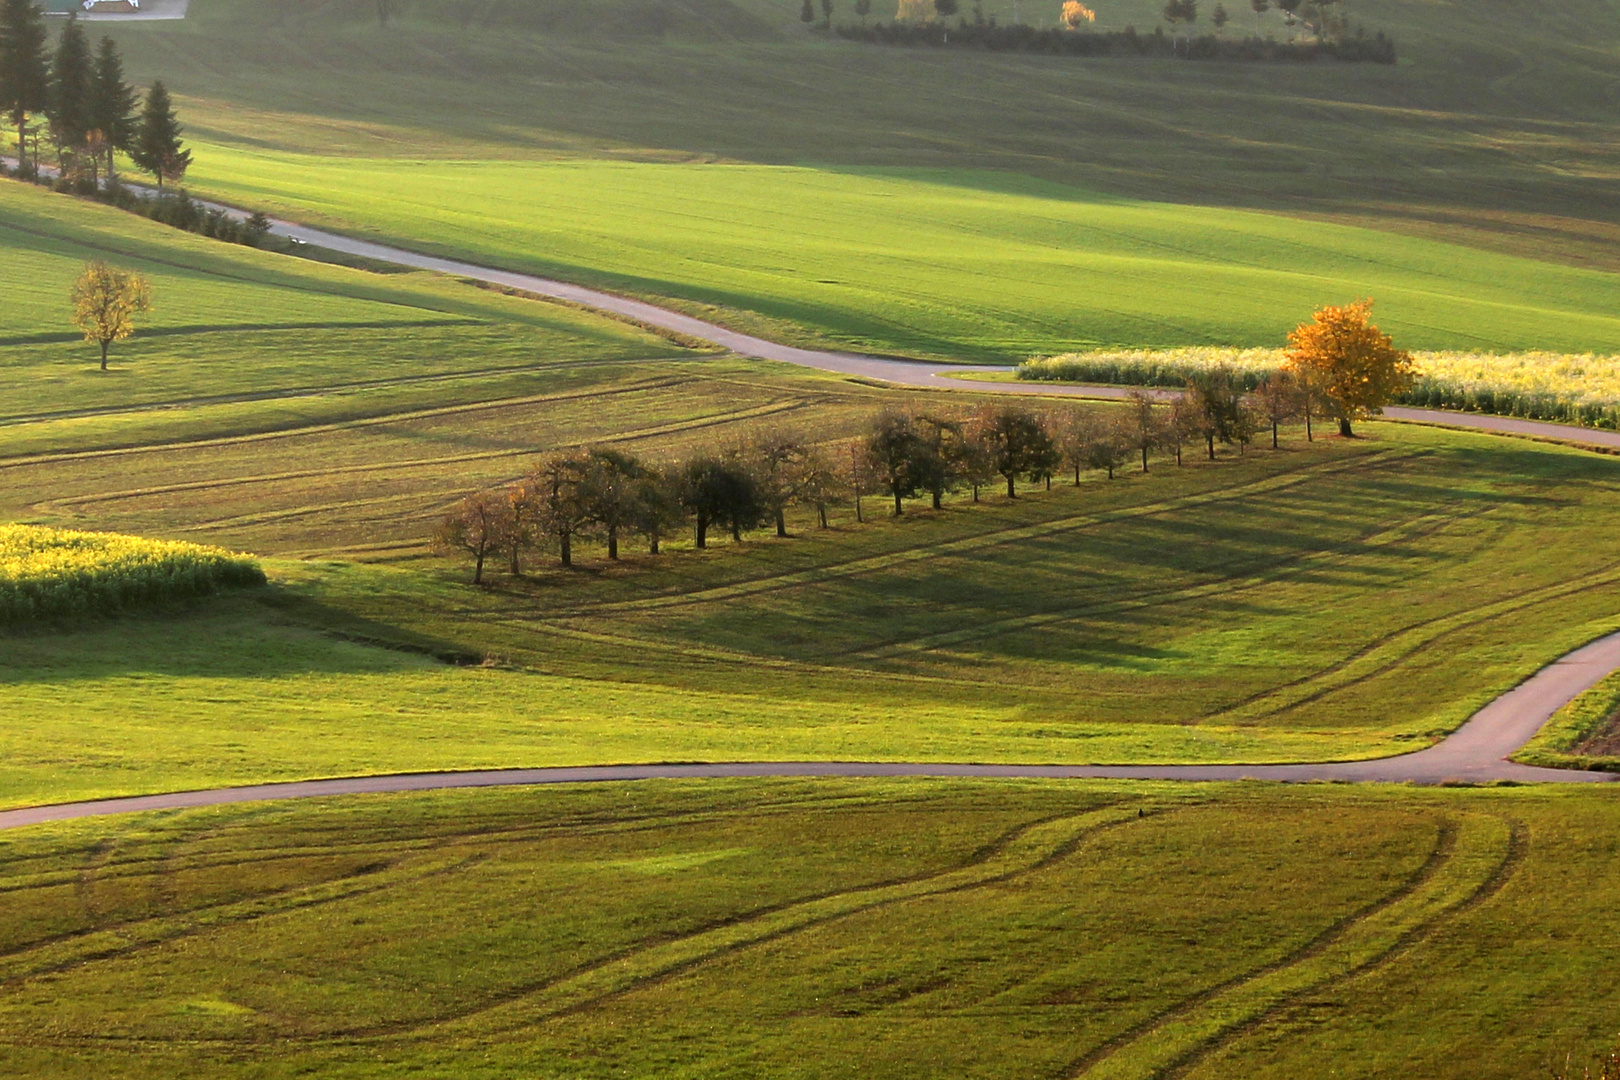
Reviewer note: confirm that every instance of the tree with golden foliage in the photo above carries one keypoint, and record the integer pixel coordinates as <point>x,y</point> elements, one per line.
<point>1354,367</point>
<point>105,303</point>
<point>1076,15</point>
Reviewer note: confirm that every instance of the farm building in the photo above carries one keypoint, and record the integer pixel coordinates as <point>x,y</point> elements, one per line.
<point>95,7</point>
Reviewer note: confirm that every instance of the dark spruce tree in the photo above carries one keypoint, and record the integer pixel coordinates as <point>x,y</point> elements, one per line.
<point>157,148</point>
<point>24,73</point>
<point>113,103</point>
<point>68,103</point>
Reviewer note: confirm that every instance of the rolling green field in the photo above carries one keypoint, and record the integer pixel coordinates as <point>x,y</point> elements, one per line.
<point>1332,599</point>
<point>1231,611</point>
<point>818,929</point>
<point>949,205</point>
<point>950,264</point>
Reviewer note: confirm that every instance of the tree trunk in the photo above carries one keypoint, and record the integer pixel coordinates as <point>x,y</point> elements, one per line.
<point>898,508</point>
<point>1048,481</point>
<point>1178,453</point>
<point>975,492</point>
<point>104,345</point>
<point>821,512</point>
<point>1077,474</point>
<point>1344,428</point>
<point>859,516</point>
<point>478,569</point>
<point>567,548</point>
<point>781,522</point>
<point>736,531</point>
<point>1211,440</point>
<point>652,544</point>
<point>1144,459</point>
<point>936,500</point>
<point>702,531</point>
<point>613,543</point>
<point>1110,470</point>
<point>1308,436</point>
<point>517,566</point>
<point>1274,434</point>
<point>1012,489</point>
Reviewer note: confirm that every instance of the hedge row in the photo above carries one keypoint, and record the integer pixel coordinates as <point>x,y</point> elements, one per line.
<point>47,573</point>
<point>990,36</point>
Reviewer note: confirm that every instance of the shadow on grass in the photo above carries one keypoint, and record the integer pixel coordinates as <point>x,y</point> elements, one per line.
<point>265,632</point>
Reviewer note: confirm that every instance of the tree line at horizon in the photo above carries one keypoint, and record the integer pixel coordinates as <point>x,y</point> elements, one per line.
<point>91,111</point>
<point>1340,367</point>
<point>1327,31</point>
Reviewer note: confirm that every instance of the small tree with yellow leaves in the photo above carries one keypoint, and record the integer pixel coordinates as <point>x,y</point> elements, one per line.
<point>105,303</point>
<point>1077,16</point>
<point>1353,366</point>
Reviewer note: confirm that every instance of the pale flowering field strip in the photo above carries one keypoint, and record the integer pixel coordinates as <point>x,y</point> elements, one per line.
<point>1577,387</point>
<point>51,572</point>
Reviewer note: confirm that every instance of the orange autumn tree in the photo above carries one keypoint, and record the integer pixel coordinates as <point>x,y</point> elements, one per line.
<point>1077,15</point>
<point>1351,365</point>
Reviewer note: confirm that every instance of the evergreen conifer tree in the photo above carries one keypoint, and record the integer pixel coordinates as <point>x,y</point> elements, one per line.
<point>157,147</point>
<point>112,102</point>
<point>68,103</point>
<point>24,73</point>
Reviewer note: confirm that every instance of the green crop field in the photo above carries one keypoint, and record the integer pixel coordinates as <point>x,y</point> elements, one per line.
<point>951,205</point>
<point>1328,599</point>
<point>818,929</point>
<point>950,264</point>
<point>1234,611</point>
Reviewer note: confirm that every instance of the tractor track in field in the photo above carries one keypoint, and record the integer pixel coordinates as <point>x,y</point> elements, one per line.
<point>1005,534</point>
<point>1254,574</point>
<point>1231,580</point>
<point>1474,856</point>
<point>294,393</point>
<point>697,423</point>
<point>1024,848</point>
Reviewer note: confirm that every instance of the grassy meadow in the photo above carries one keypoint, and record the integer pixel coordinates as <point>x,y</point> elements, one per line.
<point>1230,611</point>
<point>961,206</point>
<point>1328,599</point>
<point>948,264</point>
<point>817,929</point>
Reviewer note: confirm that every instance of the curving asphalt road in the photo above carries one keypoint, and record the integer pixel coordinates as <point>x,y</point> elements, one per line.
<point>898,372</point>
<point>1476,752</point>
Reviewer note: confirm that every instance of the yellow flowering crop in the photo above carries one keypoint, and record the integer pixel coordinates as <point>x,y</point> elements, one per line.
<point>50,572</point>
<point>1579,388</point>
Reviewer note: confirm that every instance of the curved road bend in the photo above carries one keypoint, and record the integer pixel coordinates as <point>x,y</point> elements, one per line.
<point>1475,752</point>
<point>899,372</point>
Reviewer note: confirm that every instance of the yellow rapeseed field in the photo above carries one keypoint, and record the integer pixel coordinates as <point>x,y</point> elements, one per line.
<point>49,572</point>
<point>1583,388</point>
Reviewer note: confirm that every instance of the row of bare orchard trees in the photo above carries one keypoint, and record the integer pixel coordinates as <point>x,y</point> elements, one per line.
<point>608,496</point>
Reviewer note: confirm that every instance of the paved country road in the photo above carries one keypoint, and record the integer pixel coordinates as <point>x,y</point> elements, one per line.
<point>1476,752</point>
<point>899,372</point>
